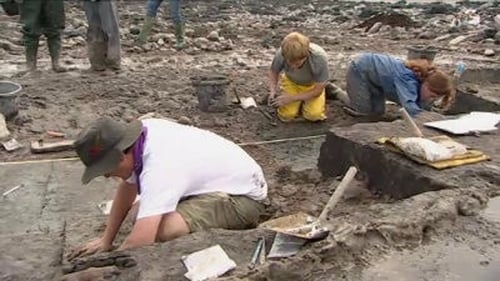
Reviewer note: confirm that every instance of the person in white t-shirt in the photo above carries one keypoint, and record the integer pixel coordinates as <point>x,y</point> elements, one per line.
<point>187,179</point>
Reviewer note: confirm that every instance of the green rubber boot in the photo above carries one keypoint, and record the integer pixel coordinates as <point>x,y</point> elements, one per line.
<point>54,45</point>
<point>31,50</point>
<point>179,36</point>
<point>146,29</point>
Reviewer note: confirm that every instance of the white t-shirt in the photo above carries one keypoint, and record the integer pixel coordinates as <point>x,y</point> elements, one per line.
<point>180,161</point>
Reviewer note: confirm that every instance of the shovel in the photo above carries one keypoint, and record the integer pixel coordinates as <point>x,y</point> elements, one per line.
<point>308,227</point>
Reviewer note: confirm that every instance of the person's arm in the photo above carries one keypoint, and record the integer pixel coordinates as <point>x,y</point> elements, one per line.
<point>143,233</point>
<point>156,200</point>
<point>122,202</point>
<point>273,83</point>
<point>311,94</point>
<point>277,66</point>
<point>321,74</point>
<point>408,91</point>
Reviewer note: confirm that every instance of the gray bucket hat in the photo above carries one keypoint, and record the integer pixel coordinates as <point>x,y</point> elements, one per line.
<point>101,144</point>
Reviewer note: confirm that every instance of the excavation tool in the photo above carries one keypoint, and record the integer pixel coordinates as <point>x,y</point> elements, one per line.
<point>306,226</point>
<point>43,147</point>
<point>410,122</point>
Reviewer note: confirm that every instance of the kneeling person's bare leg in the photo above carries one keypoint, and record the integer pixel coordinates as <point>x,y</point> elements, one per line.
<point>172,226</point>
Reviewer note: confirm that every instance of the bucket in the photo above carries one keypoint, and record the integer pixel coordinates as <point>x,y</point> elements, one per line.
<point>211,92</point>
<point>8,94</point>
<point>422,52</point>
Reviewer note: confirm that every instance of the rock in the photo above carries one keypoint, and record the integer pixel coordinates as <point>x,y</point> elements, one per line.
<point>375,28</point>
<point>443,37</point>
<point>426,35</point>
<point>147,47</point>
<point>468,206</point>
<point>489,52</point>
<point>213,36</point>
<point>93,273</point>
<point>219,122</point>
<point>497,38</point>
<point>9,46</point>
<point>201,42</point>
<point>289,190</point>
<point>134,29</point>
<point>497,22</point>
<point>189,32</point>
<point>458,40</point>
<point>137,49</point>
<point>392,174</point>
<point>471,89</point>
<point>240,61</point>
<point>171,104</point>
<point>185,120</point>
<point>385,29</point>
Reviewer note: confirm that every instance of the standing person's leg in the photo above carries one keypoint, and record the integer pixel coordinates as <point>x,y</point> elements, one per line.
<point>53,19</point>
<point>96,41</point>
<point>151,11</point>
<point>109,24</point>
<point>176,14</point>
<point>30,18</point>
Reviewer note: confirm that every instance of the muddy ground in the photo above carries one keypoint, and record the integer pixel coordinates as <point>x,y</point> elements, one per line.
<point>156,78</point>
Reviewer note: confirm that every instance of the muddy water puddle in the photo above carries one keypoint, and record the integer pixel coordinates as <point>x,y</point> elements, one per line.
<point>438,262</point>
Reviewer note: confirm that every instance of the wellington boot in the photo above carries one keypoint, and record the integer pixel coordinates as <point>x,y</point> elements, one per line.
<point>146,29</point>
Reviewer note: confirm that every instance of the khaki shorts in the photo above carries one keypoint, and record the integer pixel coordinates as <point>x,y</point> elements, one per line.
<point>220,210</point>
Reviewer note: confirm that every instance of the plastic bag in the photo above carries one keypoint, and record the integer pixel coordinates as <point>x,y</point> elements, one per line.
<point>430,150</point>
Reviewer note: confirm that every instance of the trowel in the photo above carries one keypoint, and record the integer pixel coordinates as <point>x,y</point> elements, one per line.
<point>308,227</point>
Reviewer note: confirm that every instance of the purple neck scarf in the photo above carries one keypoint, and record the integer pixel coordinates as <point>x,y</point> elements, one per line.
<point>138,151</point>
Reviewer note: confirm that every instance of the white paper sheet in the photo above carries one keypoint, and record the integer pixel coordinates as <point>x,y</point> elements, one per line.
<point>473,122</point>
<point>208,263</point>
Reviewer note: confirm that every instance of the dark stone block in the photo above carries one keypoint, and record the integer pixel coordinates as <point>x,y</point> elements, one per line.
<point>395,175</point>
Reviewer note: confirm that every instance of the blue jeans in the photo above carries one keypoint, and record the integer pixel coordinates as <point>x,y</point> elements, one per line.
<point>364,97</point>
<point>175,9</point>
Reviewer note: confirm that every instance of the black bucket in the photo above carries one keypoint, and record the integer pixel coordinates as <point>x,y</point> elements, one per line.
<point>422,52</point>
<point>8,95</point>
<point>211,92</point>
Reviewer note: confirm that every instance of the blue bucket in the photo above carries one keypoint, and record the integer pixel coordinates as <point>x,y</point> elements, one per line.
<point>8,95</point>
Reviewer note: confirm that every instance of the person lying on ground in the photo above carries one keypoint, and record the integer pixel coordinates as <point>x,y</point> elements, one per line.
<point>372,78</point>
<point>187,179</point>
<point>304,74</point>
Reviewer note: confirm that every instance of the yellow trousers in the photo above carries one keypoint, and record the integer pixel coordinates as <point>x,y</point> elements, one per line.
<point>312,110</point>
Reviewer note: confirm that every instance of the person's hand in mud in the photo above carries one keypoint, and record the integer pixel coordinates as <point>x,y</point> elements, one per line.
<point>282,100</point>
<point>95,246</point>
<point>270,97</point>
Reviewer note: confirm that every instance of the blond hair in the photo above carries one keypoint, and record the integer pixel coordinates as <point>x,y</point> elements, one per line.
<point>438,81</point>
<point>295,46</point>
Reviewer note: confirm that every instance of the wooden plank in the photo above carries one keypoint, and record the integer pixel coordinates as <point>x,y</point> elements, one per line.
<point>44,147</point>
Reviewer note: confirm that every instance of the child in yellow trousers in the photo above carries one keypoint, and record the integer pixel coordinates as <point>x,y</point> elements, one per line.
<point>304,75</point>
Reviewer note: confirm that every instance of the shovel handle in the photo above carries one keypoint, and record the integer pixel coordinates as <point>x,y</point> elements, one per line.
<point>410,122</point>
<point>339,191</point>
